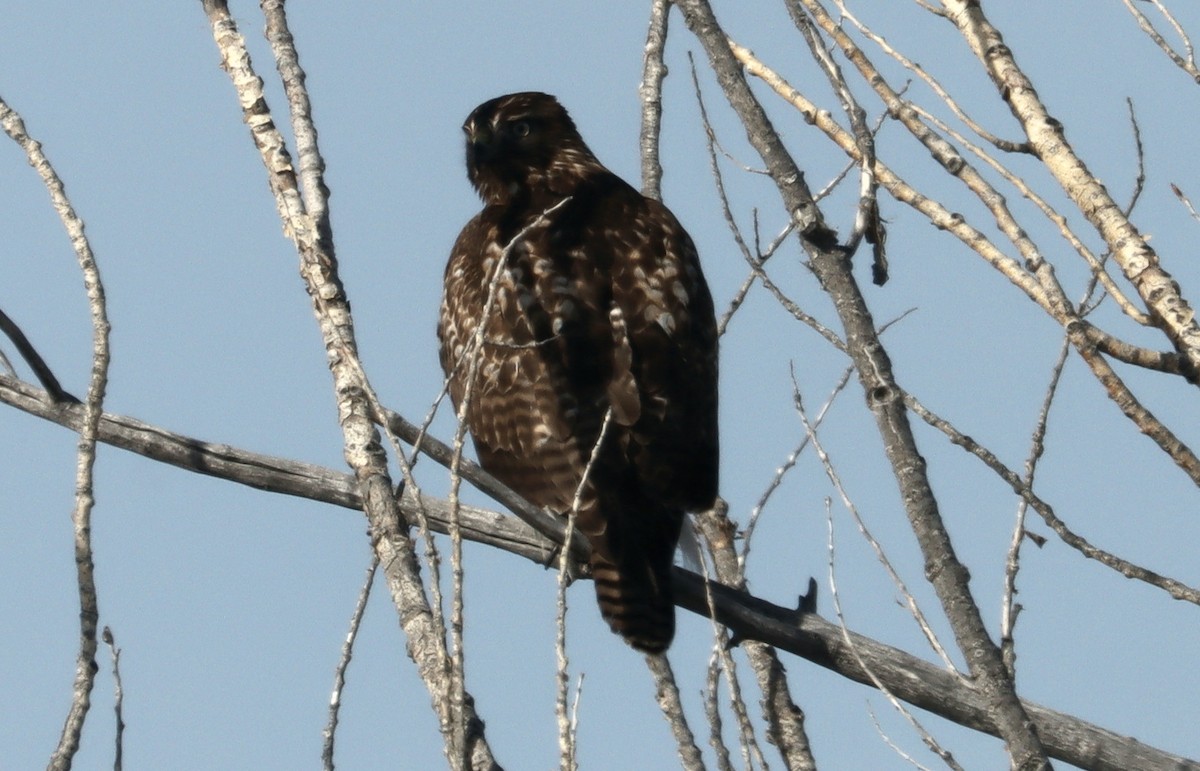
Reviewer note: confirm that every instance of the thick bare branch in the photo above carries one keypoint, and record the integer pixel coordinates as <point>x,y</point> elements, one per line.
<point>945,571</point>
<point>914,680</point>
<point>803,634</point>
<point>461,728</point>
<point>1138,261</point>
<point>1043,290</point>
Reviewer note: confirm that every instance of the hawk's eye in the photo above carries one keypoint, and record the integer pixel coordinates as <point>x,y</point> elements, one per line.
<point>521,129</point>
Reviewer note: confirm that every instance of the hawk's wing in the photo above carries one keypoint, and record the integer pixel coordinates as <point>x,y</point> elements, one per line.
<point>660,295</point>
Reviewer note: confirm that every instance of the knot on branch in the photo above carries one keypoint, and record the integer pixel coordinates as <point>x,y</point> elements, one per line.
<point>880,395</point>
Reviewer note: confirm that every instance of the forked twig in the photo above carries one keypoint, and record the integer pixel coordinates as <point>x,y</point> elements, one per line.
<point>1186,61</point>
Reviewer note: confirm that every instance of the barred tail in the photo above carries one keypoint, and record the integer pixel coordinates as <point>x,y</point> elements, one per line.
<point>635,599</point>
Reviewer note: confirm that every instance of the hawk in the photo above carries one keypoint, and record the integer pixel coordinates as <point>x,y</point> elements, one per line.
<point>599,305</point>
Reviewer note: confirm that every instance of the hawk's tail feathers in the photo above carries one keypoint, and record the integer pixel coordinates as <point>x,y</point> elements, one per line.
<point>636,601</point>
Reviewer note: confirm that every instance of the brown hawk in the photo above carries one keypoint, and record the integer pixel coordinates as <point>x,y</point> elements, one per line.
<point>599,305</point>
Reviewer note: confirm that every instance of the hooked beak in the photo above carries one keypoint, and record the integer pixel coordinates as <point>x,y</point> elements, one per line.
<point>480,146</point>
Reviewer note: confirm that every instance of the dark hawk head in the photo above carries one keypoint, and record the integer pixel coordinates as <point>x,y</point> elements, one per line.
<point>526,143</point>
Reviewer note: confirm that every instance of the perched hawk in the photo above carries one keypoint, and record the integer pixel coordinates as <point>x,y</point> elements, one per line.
<point>600,305</point>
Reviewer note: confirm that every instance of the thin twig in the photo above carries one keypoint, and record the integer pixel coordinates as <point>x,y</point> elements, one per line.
<point>474,346</point>
<point>788,464</point>
<point>339,672</point>
<point>566,725</point>
<point>751,752</point>
<point>118,699</point>
<point>888,741</point>
<point>712,711</point>
<point>1176,589</point>
<point>914,608</point>
<point>761,256</point>
<point>1012,564</point>
<point>926,737</point>
<point>756,266</point>
<point>1009,610</point>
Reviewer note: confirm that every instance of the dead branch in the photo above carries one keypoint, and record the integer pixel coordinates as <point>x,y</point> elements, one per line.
<point>803,634</point>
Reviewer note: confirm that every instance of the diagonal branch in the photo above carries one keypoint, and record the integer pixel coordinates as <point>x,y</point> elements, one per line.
<point>944,570</point>
<point>41,370</point>
<point>1138,261</point>
<point>306,224</point>
<point>804,634</point>
<point>1089,341</point>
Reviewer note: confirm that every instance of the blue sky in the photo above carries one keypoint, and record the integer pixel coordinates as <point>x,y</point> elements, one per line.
<point>231,604</point>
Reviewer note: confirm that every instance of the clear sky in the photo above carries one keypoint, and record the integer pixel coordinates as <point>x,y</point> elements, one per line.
<point>231,604</point>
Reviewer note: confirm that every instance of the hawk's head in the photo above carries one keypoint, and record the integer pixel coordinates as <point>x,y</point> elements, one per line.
<point>525,142</point>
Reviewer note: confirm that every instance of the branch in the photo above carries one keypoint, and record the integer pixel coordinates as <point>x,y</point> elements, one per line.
<point>1044,293</point>
<point>289,477</point>
<point>1187,62</point>
<point>1138,261</point>
<point>118,699</point>
<point>785,718</point>
<point>1176,589</point>
<point>306,223</point>
<point>914,680</point>
<point>35,361</point>
<point>804,634</point>
<point>81,515</point>
<point>666,693</point>
<point>654,71</point>
<point>339,672</point>
<point>833,269</point>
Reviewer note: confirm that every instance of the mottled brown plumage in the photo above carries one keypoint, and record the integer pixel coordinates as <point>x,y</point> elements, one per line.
<point>602,304</point>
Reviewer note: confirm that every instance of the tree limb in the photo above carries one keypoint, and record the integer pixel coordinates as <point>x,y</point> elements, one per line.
<point>801,633</point>
<point>945,571</point>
